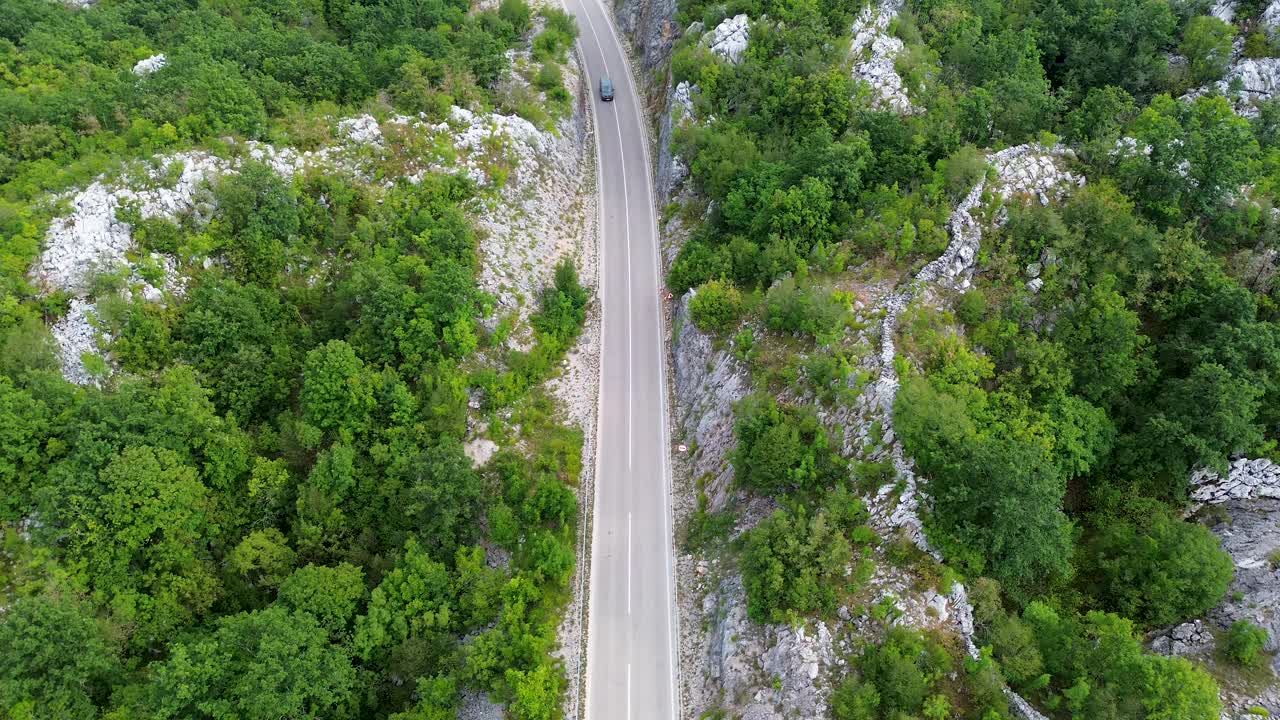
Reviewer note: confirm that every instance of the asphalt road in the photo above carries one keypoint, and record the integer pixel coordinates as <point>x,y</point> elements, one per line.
<point>632,624</point>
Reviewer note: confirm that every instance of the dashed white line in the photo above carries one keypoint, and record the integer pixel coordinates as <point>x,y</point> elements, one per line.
<point>628,563</point>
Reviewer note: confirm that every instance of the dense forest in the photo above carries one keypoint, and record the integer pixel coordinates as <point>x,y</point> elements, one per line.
<point>1055,422</point>
<point>266,510</point>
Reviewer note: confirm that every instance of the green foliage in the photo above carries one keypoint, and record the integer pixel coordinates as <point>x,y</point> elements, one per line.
<point>331,595</point>
<point>997,489</point>
<point>716,307</point>
<point>1160,572</point>
<point>1095,663</point>
<point>57,663</point>
<point>267,664</point>
<point>1206,43</point>
<point>904,676</point>
<point>1246,643</point>
<point>782,449</point>
<point>793,562</point>
<point>799,307</point>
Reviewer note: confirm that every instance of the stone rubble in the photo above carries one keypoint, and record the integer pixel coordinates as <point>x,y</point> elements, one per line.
<point>729,39</point>
<point>361,129</point>
<point>1189,638</point>
<point>874,51</point>
<point>75,337</point>
<point>150,65</point>
<point>1246,479</point>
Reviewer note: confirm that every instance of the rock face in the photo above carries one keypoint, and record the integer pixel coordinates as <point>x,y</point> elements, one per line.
<point>150,65</point>
<point>1252,537</point>
<point>729,39</point>
<point>1224,10</point>
<point>874,51</point>
<point>708,381</point>
<point>651,26</point>
<point>1269,21</point>
<point>776,671</point>
<point>1257,79</point>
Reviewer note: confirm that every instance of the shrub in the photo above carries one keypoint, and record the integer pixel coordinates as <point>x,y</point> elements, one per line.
<point>1160,573</point>
<point>794,563</point>
<point>1245,643</point>
<point>716,307</point>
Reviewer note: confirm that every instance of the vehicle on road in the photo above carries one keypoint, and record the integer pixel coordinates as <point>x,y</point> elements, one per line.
<point>606,89</point>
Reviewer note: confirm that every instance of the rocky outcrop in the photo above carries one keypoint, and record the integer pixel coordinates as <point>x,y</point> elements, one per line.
<point>1250,534</point>
<point>708,381</point>
<point>874,51</point>
<point>150,65</point>
<point>729,39</point>
<point>651,26</point>
<point>1269,21</point>
<point>1246,479</point>
<point>1249,528</point>
<point>1022,172</point>
<point>1258,80</point>
<point>1224,10</point>
<point>1189,638</point>
<point>777,671</point>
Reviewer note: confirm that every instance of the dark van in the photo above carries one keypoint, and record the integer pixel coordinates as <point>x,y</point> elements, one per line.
<point>606,89</point>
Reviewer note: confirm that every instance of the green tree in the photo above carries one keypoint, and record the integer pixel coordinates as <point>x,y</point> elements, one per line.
<point>268,664</point>
<point>793,563</point>
<point>716,307</point>
<point>1159,573</point>
<point>332,595</point>
<point>257,220</point>
<point>413,600</point>
<point>263,557</point>
<point>1206,42</point>
<point>142,544</point>
<point>57,662</point>
<point>337,390</point>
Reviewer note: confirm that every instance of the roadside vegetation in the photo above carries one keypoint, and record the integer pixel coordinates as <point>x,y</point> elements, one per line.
<point>1054,424</point>
<point>267,510</point>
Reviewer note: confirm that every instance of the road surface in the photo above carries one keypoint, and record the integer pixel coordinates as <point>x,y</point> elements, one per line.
<point>630,647</point>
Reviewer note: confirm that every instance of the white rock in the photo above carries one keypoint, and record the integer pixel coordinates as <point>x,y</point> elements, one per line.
<point>874,50</point>
<point>1270,19</point>
<point>76,337</point>
<point>362,129</point>
<point>729,39</point>
<point>1224,10</point>
<point>150,65</point>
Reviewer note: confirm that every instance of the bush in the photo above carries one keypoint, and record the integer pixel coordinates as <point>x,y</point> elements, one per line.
<point>549,76</point>
<point>716,307</point>
<point>783,449</point>
<point>1159,573</point>
<point>800,308</point>
<point>794,563</point>
<point>1245,643</point>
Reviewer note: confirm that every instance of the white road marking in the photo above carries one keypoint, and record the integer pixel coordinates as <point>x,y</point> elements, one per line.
<point>628,563</point>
